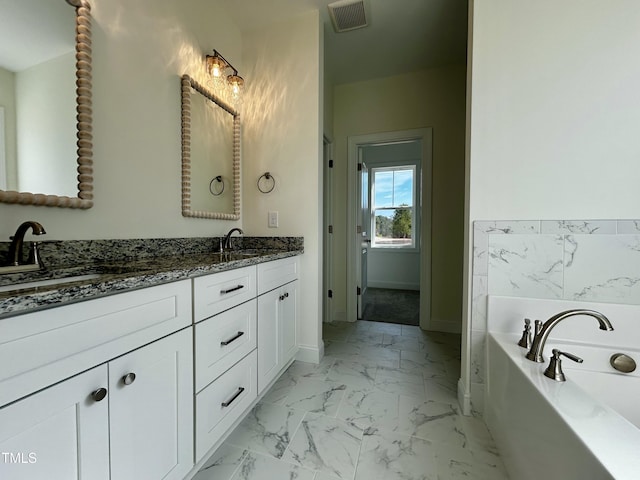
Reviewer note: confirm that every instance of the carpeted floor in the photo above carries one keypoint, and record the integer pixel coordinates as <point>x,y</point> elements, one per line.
<point>392,306</point>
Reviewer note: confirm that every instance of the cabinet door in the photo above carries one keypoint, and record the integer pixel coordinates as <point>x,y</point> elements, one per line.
<point>60,432</point>
<point>151,414</point>
<point>268,337</point>
<point>288,314</point>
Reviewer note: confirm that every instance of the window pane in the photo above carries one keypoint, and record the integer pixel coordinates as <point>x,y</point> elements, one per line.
<point>393,227</point>
<point>383,189</point>
<point>403,188</point>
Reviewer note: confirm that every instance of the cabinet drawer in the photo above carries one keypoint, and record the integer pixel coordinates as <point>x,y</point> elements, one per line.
<point>220,404</point>
<point>222,340</point>
<point>42,348</point>
<point>218,292</point>
<point>274,274</point>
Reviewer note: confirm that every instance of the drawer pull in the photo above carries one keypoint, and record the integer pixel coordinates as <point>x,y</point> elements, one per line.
<point>99,394</point>
<point>232,399</point>
<point>232,339</point>
<point>129,378</point>
<point>232,289</point>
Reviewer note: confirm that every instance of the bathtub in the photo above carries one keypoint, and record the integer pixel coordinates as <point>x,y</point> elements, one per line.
<point>585,428</point>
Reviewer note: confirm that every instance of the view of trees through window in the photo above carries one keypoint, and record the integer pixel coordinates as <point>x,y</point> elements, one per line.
<point>392,206</point>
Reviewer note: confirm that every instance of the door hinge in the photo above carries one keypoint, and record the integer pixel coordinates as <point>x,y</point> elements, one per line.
<point>359,167</point>
<point>330,228</point>
<point>330,163</point>
<point>330,293</point>
<point>358,291</point>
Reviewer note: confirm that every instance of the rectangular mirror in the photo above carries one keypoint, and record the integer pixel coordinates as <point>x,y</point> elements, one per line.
<point>210,154</point>
<point>45,101</point>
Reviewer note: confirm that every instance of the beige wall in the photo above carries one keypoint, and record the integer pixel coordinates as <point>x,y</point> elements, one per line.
<point>283,136</point>
<point>431,98</point>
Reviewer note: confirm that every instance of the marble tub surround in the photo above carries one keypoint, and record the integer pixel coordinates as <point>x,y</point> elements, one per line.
<point>341,419</point>
<point>121,265</point>
<point>582,260</point>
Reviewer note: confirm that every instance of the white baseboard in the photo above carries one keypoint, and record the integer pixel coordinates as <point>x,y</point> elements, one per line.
<point>339,317</point>
<point>464,398</point>
<point>310,354</point>
<point>444,326</point>
<point>394,285</point>
<point>477,398</point>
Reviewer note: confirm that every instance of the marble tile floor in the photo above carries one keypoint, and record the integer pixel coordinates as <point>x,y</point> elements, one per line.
<point>381,405</point>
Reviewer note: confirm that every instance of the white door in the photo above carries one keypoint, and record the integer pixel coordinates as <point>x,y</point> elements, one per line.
<point>268,337</point>
<point>328,232</point>
<point>362,231</point>
<point>288,313</point>
<point>60,432</point>
<point>151,409</point>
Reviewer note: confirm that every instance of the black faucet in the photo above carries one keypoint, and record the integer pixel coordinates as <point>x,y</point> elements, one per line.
<point>15,249</point>
<point>226,245</point>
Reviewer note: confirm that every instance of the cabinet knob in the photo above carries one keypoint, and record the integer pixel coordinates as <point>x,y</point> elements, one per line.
<point>281,297</point>
<point>99,394</point>
<point>286,295</point>
<point>129,378</point>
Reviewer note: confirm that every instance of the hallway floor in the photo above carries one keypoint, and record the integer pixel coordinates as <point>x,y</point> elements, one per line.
<point>381,405</point>
<point>391,306</point>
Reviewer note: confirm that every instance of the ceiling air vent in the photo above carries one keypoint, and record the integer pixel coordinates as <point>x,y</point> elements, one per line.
<point>347,15</point>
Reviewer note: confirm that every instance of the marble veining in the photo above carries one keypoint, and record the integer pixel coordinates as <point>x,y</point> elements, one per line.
<point>326,444</point>
<point>589,260</point>
<point>125,273</point>
<point>372,430</point>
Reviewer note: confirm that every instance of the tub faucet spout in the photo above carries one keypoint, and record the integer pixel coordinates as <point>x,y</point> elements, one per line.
<point>537,348</point>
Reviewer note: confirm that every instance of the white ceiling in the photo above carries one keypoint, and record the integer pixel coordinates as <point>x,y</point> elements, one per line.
<point>402,36</point>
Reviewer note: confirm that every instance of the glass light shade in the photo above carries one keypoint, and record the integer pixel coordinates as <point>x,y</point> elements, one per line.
<point>236,83</point>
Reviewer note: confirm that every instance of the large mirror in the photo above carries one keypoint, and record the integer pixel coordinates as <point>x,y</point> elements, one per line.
<point>45,103</point>
<point>210,154</point>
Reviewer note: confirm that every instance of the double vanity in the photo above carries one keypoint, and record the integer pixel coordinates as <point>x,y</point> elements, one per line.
<point>139,369</point>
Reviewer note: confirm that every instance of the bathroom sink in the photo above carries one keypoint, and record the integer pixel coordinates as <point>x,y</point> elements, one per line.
<point>49,282</point>
<point>48,278</point>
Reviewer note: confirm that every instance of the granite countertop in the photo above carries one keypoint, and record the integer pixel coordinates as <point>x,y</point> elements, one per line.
<point>116,277</point>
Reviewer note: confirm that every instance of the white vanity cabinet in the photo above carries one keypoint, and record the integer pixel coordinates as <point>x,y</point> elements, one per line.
<point>60,432</point>
<point>128,415</point>
<point>151,410</point>
<point>225,312</point>
<point>277,313</point>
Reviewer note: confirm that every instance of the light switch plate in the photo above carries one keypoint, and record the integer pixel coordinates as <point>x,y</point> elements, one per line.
<point>273,219</point>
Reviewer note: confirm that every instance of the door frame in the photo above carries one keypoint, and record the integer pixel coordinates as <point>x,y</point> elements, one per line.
<point>354,145</point>
<point>327,154</point>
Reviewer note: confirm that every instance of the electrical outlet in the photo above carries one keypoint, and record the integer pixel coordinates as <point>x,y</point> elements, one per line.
<point>273,219</point>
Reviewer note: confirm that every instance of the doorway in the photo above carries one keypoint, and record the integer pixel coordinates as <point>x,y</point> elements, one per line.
<point>365,238</point>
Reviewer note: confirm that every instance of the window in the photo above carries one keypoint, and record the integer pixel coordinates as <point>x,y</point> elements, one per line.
<point>393,212</point>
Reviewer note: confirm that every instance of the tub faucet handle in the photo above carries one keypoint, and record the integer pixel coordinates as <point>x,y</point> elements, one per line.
<point>554,370</point>
<point>525,341</point>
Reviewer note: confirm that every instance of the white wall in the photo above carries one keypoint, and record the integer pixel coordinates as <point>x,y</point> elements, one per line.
<point>555,109</point>
<point>431,98</point>
<point>140,49</point>
<point>283,136</point>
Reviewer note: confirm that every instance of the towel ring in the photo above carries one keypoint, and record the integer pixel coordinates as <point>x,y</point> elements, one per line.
<point>219,191</point>
<point>268,178</point>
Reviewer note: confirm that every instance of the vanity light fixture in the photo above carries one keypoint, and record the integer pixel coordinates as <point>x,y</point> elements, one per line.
<point>217,66</point>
